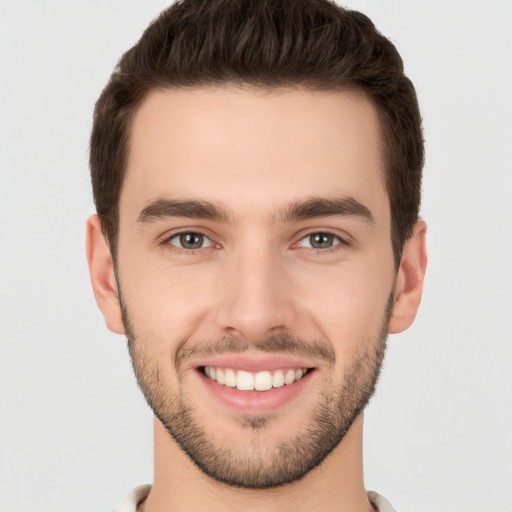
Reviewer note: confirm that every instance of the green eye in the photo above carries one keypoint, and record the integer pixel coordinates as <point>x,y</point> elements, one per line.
<point>320,240</point>
<point>190,241</point>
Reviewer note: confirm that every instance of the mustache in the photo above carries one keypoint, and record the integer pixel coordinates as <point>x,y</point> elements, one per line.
<point>283,343</point>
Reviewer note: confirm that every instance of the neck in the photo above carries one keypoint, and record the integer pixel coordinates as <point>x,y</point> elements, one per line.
<point>336,485</point>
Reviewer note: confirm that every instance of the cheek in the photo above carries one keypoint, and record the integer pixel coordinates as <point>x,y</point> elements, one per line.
<point>343,303</point>
<point>164,309</point>
<point>167,303</point>
<point>347,305</point>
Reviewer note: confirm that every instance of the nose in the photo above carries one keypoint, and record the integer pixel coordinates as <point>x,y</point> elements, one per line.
<point>255,300</point>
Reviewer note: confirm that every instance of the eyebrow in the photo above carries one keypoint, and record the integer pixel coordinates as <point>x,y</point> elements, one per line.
<point>192,209</point>
<point>298,210</point>
<point>325,207</point>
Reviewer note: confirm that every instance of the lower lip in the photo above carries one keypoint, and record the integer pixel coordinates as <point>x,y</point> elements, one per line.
<point>256,401</point>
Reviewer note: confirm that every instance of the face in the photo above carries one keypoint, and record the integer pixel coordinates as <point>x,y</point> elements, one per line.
<point>256,273</point>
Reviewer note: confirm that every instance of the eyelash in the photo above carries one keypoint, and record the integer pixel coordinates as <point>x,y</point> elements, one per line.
<point>342,242</point>
<point>181,250</point>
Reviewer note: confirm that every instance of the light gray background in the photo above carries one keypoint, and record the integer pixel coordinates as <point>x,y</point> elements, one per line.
<point>75,433</point>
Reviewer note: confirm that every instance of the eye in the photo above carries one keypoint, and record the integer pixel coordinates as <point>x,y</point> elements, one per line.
<point>320,241</point>
<point>190,241</point>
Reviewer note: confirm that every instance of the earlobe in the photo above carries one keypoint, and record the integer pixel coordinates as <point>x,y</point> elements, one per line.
<point>409,282</point>
<point>101,269</point>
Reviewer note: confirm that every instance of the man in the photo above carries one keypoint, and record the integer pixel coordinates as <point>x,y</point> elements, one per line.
<point>256,169</point>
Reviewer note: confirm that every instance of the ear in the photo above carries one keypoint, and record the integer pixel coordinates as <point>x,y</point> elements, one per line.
<point>101,269</point>
<point>409,281</point>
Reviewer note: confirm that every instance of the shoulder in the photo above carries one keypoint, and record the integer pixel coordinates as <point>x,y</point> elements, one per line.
<point>379,502</point>
<point>133,498</point>
<point>137,494</point>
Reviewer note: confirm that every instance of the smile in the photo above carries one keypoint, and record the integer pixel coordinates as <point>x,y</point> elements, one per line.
<point>258,381</point>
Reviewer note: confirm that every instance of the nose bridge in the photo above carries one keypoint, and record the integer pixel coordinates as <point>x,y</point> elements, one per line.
<point>255,300</point>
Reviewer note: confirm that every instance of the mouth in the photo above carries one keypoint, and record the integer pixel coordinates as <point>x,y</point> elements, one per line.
<point>254,381</point>
<point>255,386</point>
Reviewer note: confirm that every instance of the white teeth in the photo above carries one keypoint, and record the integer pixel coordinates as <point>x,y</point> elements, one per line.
<point>244,381</point>
<point>278,379</point>
<point>259,381</point>
<point>289,378</point>
<point>230,378</point>
<point>263,381</point>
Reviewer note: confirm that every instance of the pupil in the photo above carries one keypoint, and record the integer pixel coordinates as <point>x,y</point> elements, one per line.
<point>191,240</point>
<point>321,240</point>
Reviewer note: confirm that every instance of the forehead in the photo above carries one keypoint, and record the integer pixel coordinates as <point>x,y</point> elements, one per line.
<point>254,148</point>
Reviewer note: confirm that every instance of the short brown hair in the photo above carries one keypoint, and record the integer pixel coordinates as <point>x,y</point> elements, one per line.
<point>313,44</point>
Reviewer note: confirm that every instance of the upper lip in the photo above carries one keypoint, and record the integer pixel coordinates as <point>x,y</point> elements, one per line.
<point>255,363</point>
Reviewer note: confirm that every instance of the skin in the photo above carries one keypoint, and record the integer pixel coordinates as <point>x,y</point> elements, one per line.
<point>253,153</point>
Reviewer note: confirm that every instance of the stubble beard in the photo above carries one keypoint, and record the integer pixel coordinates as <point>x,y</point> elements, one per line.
<point>255,465</point>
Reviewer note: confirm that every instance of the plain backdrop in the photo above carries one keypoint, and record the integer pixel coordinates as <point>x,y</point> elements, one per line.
<point>75,433</point>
